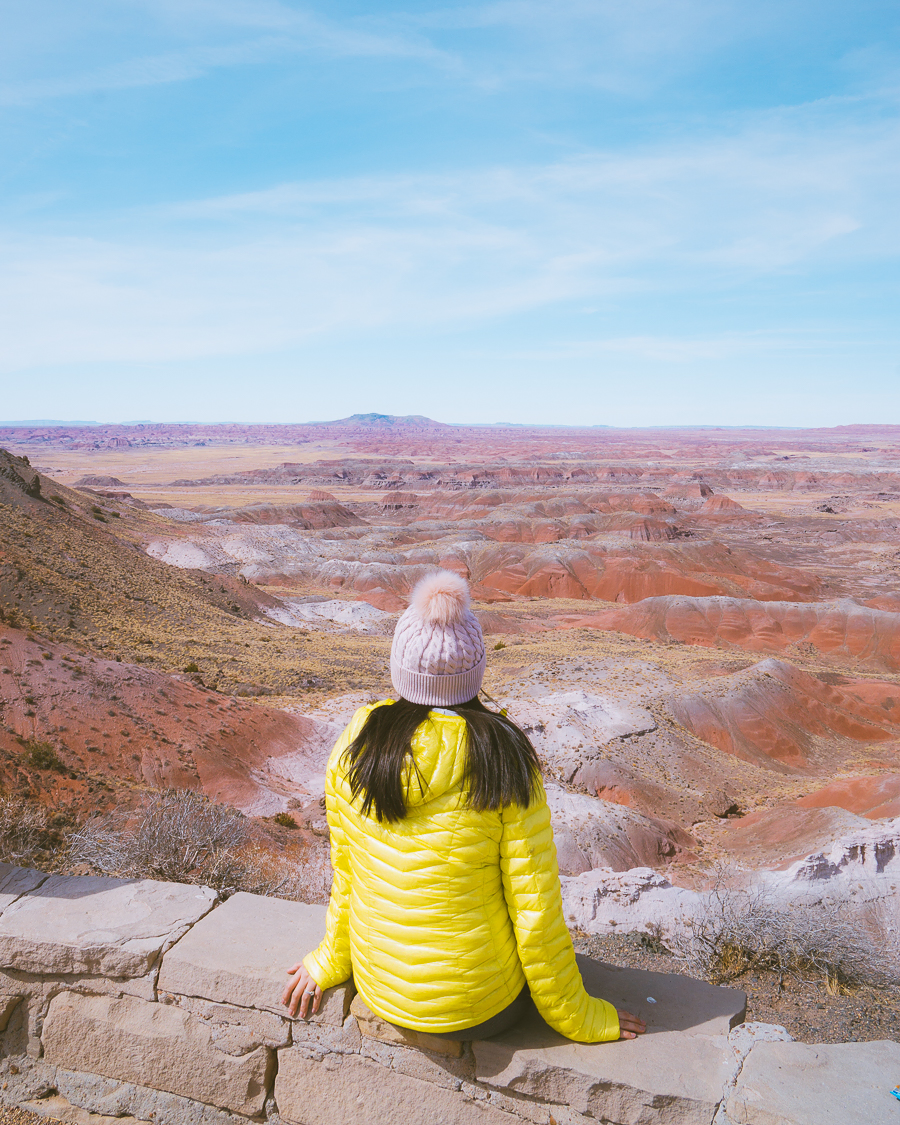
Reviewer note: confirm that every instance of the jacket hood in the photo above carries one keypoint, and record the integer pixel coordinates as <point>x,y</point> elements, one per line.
<point>438,764</point>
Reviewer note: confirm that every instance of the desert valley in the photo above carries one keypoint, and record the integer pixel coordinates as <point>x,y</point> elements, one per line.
<point>699,629</point>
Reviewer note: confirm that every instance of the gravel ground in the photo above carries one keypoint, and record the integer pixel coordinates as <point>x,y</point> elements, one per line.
<point>23,1117</point>
<point>805,1007</point>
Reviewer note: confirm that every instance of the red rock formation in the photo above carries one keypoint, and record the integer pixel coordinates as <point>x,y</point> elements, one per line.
<point>777,715</point>
<point>779,837</point>
<point>888,602</point>
<point>843,628</point>
<point>689,490</point>
<point>721,503</point>
<point>106,718</point>
<point>318,515</point>
<point>871,797</point>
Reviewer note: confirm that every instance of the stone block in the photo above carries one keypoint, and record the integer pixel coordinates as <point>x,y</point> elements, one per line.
<point>155,1045</point>
<point>374,1027</point>
<point>233,1028</point>
<point>354,1091</point>
<point>680,1003</point>
<point>26,1080</point>
<point>320,1039</point>
<point>8,1004</point>
<point>443,1070</point>
<point>817,1084</point>
<point>58,1108</point>
<point>240,954</point>
<point>109,927</point>
<point>674,1073</point>
<point>18,881</point>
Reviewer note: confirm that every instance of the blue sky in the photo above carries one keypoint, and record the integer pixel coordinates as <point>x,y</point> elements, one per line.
<point>581,211</point>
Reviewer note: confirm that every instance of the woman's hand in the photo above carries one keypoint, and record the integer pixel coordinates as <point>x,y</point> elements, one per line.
<point>300,991</point>
<point>630,1026</point>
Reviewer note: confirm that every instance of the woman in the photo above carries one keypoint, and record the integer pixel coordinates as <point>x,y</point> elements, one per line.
<point>446,904</point>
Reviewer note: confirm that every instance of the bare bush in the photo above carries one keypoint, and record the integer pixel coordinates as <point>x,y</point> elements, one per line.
<point>182,836</point>
<point>314,874</point>
<point>739,930</point>
<point>30,834</point>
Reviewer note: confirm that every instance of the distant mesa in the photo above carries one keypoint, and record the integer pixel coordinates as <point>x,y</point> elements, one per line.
<point>93,480</point>
<point>722,503</point>
<point>47,422</point>
<point>385,421</point>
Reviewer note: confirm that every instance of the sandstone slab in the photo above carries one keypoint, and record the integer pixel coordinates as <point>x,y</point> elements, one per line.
<point>8,1004</point>
<point>17,881</point>
<point>239,954</point>
<point>373,1027</point>
<point>110,927</point>
<point>674,1074</point>
<point>233,1028</point>
<point>354,1091</point>
<point>29,1081</point>
<point>818,1084</point>
<point>59,1108</point>
<point>155,1045</point>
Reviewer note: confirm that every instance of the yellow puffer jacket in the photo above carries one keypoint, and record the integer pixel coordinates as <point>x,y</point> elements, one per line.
<point>442,917</point>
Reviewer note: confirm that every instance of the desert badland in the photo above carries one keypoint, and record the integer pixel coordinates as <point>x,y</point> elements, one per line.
<point>700,629</point>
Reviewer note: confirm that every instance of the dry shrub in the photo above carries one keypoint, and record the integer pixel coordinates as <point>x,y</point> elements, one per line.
<point>742,930</point>
<point>314,872</point>
<point>182,836</point>
<point>42,756</point>
<point>30,834</point>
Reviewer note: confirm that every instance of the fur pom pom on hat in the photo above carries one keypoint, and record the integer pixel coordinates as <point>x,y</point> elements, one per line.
<point>438,653</point>
<point>441,598</point>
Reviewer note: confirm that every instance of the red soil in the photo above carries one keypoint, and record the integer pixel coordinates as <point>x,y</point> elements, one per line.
<point>777,715</point>
<point>104,718</point>
<point>843,628</point>
<point>871,797</point>
<point>779,837</point>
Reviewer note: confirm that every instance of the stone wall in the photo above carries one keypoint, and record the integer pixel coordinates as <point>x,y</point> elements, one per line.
<point>138,1002</point>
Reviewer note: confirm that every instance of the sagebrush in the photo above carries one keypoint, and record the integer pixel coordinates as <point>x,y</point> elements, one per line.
<point>182,836</point>
<point>30,834</point>
<point>743,930</point>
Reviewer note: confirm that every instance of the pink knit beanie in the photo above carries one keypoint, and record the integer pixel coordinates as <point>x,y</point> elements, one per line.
<point>438,654</point>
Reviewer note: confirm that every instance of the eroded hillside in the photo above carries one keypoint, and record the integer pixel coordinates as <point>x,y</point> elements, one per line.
<point>700,630</point>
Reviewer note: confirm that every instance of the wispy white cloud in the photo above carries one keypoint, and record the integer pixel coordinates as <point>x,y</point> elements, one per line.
<point>624,48</point>
<point>789,194</point>
<point>269,31</point>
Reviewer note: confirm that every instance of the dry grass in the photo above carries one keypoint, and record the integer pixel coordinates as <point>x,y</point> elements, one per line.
<point>31,835</point>
<point>744,930</point>
<point>182,836</point>
<point>80,583</point>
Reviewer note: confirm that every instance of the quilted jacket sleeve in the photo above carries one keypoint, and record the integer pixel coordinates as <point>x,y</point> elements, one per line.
<point>534,900</point>
<point>330,963</point>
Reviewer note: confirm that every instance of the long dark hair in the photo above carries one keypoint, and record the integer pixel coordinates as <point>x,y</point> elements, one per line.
<point>502,767</point>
